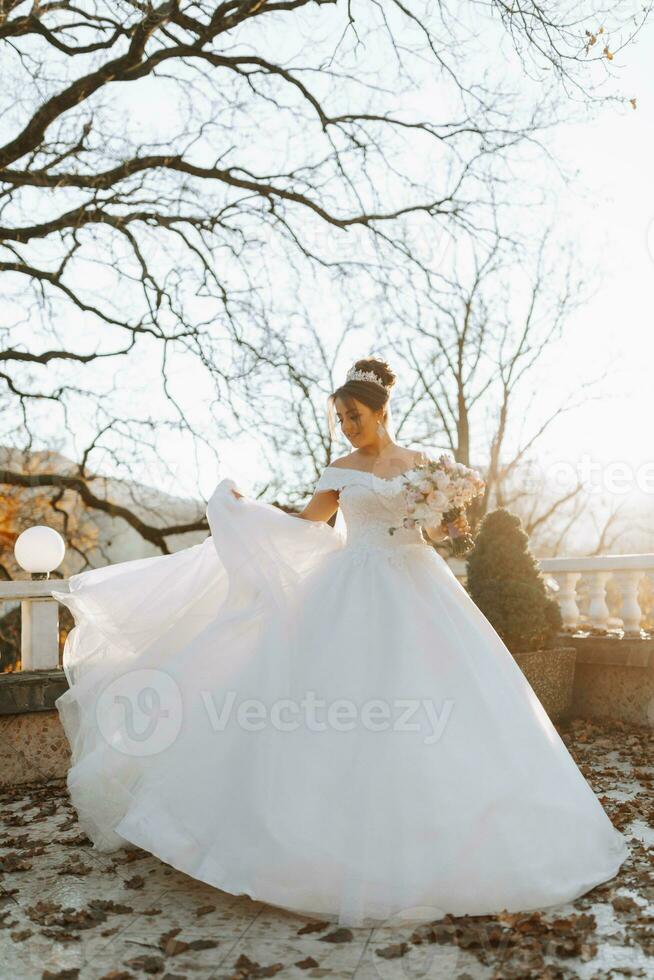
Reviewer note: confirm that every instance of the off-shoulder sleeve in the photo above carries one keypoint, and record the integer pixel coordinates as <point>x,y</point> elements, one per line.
<point>329,480</point>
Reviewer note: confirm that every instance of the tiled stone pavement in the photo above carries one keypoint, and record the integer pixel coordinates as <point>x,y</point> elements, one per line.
<point>67,911</point>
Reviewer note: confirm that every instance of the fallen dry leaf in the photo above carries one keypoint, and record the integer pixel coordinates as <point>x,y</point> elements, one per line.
<point>307,963</point>
<point>394,951</point>
<point>341,935</point>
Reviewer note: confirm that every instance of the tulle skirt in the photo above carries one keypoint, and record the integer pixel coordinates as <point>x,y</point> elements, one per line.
<point>336,731</point>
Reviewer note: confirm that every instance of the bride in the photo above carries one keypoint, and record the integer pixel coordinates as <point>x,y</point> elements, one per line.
<point>320,717</point>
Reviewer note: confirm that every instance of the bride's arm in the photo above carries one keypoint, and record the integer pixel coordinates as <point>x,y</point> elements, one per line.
<point>321,507</point>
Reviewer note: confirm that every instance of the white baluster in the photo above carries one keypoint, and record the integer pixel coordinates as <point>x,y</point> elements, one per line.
<point>598,611</point>
<point>39,640</point>
<point>567,597</point>
<point>630,610</point>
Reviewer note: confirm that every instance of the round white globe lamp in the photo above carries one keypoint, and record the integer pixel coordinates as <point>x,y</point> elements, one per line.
<point>39,550</point>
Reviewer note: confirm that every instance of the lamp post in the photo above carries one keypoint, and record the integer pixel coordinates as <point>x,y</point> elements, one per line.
<point>39,550</point>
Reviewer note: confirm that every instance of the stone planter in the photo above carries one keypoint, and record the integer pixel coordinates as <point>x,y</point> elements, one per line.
<point>551,674</point>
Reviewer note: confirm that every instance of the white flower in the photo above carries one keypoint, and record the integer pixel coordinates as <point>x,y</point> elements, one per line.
<point>437,500</point>
<point>441,480</point>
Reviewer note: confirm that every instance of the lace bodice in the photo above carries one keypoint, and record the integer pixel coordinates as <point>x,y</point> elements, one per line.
<point>370,505</point>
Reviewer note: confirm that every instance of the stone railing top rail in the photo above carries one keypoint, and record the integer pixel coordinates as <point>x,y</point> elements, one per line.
<point>595,563</point>
<point>598,563</point>
<point>31,588</point>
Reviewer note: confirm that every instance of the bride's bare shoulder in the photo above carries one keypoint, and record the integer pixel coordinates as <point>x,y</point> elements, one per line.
<point>344,461</point>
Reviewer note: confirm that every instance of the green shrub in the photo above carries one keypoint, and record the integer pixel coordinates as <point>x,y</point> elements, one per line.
<point>506,583</point>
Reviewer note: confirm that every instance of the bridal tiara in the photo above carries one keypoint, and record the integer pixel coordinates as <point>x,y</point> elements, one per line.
<point>356,375</point>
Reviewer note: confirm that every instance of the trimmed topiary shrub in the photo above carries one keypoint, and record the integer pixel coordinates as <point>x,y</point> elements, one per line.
<point>505,582</point>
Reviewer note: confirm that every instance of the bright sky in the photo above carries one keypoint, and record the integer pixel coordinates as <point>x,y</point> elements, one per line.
<point>614,226</point>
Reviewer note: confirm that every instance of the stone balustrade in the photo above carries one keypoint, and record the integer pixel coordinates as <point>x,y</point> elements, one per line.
<point>613,679</point>
<point>626,571</point>
<point>593,575</point>
<point>40,612</point>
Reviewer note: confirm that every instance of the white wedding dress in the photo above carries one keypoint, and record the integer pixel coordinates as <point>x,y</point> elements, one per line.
<point>430,781</point>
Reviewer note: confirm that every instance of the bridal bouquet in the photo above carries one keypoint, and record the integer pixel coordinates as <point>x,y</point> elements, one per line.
<point>438,493</point>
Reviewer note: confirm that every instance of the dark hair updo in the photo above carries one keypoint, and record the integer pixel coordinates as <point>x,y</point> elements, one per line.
<point>367,392</point>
